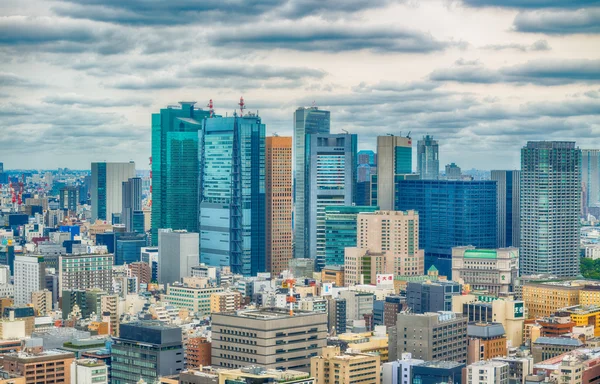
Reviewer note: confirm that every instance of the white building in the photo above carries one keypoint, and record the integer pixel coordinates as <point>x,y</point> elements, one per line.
<point>107,188</point>
<point>399,371</point>
<point>30,276</point>
<point>492,270</point>
<point>488,372</point>
<point>89,371</point>
<point>592,251</point>
<point>179,252</point>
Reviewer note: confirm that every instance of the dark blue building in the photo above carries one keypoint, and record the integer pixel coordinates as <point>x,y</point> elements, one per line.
<point>378,308</point>
<point>108,239</point>
<point>451,213</point>
<point>434,372</point>
<point>129,247</point>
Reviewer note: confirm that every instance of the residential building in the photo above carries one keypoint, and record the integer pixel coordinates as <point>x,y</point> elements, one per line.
<point>341,231</point>
<point>29,277</point>
<point>488,372</point>
<point>590,178</point>
<point>42,301</point>
<point>545,348</point>
<point>508,207</point>
<point>197,352</point>
<point>81,272</point>
<point>334,367</point>
<point>485,341</point>
<point>89,371</point>
<point>232,193</point>
<point>435,372</point>
<point>48,367</point>
<point>142,271</point>
<point>196,299</point>
<point>131,214</point>
<point>307,121</point>
<point>518,368</point>
<point>550,204</point>
<point>336,315</point>
<point>107,189</point>
<point>179,252</point>
<point>451,213</point>
<point>225,301</point>
<point>269,337</point>
<point>175,167</point>
<point>150,255</point>
<point>425,336</point>
<point>431,296</point>
<point>394,157</point>
<point>575,367</point>
<point>492,270</point>
<point>428,162</point>
<point>279,203</point>
<point>330,181</point>
<point>259,375</point>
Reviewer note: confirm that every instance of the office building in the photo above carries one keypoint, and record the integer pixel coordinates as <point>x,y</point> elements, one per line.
<point>51,366</point>
<point>146,350</point>
<point>451,213</point>
<point>178,252</point>
<point>331,175</point>
<point>392,306</point>
<point>336,316</point>
<point>279,203</point>
<point>89,371</point>
<point>488,372</point>
<point>508,189</point>
<point>492,270</point>
<point>194,297</point>
<point>485,341</point>
<point>132,205</point>
<point>42,301</point>
<point>425,336</point>
<point>107,189</point>
<point>232,193</point>
<point>544,348</point>
<point>363,193</point>
<point>268,337</point>
<point>550,204</point>
<point>175,167</point>
<point>69,198</point>
<point>129,246</point>
<point>334,367</point>
<point>428,162</point>
<point>431,296</point>
<point>258,375</point>
<point>399,371</point>
<point>563,294</point>
<point>453,172</point>
<point>583,315</point>
<point>149,255</point>
<point>518,368</point>
<point>394,157</point>
<point>435,372</point>
<point>341,230</point>
<point>302,267</point>
<point>29,277</point>
<point>82,272</point>
<point>358,304</point>
<point>590,178</point>
<point>307,121</point>
<point>333,274</point>
<point>23,313</point>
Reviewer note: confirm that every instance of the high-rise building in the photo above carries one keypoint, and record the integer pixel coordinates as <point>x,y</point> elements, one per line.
<point>175,167</point>
<point>590,178</point>
<point>333,366</point>
<point>307,121</point>
<point>107,189</point>
<point>331,175</point>
<point>132,203</point>
<point>146,350</point>
<point>451,213</point>
<point>279,203</point>
<point>178,252</point>
<point>428,296</point>
<point>492,270</point>
<point>507,202</point>
<point>367,165</point>
<point>340,231</point>
<point>394,157</point>
<point>29,277</point>
<point>232,193</point>
<point>81,272</point>
<point>428,162</point>
<point>69,198</point>
<point>550,205</point>
<point>453,172</point>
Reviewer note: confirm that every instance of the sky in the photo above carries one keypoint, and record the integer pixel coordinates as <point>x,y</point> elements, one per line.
<point>79,79</point>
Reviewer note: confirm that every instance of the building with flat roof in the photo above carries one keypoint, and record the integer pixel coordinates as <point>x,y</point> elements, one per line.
<point>106,188</point>
<point>509,214</point>
<point>89,371</point>
<point>179,252</point>
<point>258,375</point>
<point>428,162</point>
<point>488,372</point>
<point>544,348</point>
<point>334,367</point>
<point>585,315</point>
<point>431,296</point>
<point>267,337</point>
<point>47,367</point>
<point>491,270</point>
<point>435,372</point>
<point>197,299</point>
<point>562,293</point>
<point>394,158</point>
<point>485,341</point>
<point>81,272</point>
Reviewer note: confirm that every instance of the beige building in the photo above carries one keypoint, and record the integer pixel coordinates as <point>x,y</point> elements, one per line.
<point>225,301</point>
<point>42,301</point>
<point>589,294</point>
<point>279,204</point>
<point>48,367</point>
<point>542,299</point>
<point>387,161</point>
<point>333,367</point>
<point>361,266</point>
<point>491,270</point>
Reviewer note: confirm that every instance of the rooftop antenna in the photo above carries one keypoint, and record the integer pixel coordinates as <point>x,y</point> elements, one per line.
<point>408,135</point>
<point>242,106</point>
<point>390,134</point>
<point>211,108</point>
<point>275,134</point>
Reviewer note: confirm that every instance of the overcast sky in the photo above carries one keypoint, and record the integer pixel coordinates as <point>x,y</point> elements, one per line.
<point>79,79</point>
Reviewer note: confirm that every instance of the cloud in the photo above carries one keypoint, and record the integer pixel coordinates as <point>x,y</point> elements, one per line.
<point>540,45</point>
<point>532,4</point>
<point>561,22</point>
<point>226,70</point>
<point>328,38</point>
<point>85,101</point>
<point>539,72</point>
<point>12,80</point>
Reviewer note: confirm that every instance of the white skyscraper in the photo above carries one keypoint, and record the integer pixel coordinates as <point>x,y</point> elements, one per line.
<point>178,252</point>
<point>30,276</point>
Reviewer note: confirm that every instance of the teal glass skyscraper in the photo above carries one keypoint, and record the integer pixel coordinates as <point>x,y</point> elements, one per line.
<point>340,231</point>
<point>175,167</point>
<point>232,193</point>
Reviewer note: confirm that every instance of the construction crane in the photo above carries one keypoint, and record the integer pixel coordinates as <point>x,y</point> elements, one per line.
<point>408,135</point>
<point>242,106</point>
<point>346,132</point>
<point>211,108</point>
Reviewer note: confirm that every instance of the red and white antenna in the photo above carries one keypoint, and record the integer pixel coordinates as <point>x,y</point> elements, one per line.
<point>211,108</point>
<point>242,106</point>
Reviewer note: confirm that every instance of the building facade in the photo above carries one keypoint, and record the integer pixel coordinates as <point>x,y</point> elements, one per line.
<point>82,272</point>
<point>334,367</point>
<point>550,204</point>
<point>29,277</point>
<point>590,178</point>
<point>491,270</point>
<point>107,190</point>
<point>132,205</point>
<point>47,367</point>
<point>428,162</point>
<point>178,252</point>
<point>508,207</point>
<point>488,372</point>
<point>394,157</point>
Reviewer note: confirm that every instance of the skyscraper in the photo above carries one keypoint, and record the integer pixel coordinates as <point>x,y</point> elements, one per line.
<point>132,204</point>
<point>307,120</point>
<point>453,172</point>
<point>279,203</point>
<point>107,190</point>
<point>428,162</point>
<point>507,202</point>
<point>175,167</point>
<point>550,205</point>
<point>394,157</point>
<point>178,253</point>
<point>331,181</point>
<point>232,193</point>
<point>69,198</point>
<point>590,178</point>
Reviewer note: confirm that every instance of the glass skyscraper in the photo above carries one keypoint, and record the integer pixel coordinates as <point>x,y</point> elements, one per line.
<point>508,187</point>
<point>550,205</point>
<point>394,157</point>
<point>232,193</point>
<point>590,178</point>
<point>106,189</point>
<point>331,181</point>
<point>175,167</point>
<point>451,213</point>
<point>307,120</point>
<point>428,162</point>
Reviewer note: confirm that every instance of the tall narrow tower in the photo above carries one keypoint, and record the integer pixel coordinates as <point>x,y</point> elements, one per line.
<point>428,162</point>
<point>394,157</point>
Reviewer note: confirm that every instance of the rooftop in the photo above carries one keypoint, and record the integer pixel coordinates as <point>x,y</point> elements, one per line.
<point>566,341</point>
<point>259,372</point>
<point>441,364</point>
<point>90,363</point>
<point>268,313</point>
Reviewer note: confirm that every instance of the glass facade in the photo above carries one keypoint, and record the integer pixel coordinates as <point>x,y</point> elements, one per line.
<point>428,162</point>
<point>451,213</point>
<point>340,231</point>
<point>232,193</point>
<point>129,248</point>
<point>590,178</point>
<point>101,201</point>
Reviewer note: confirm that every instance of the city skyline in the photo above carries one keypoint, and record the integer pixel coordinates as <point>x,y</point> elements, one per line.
<point>482,77</point>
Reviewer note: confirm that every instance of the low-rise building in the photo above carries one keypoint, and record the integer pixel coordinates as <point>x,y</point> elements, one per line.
<point>488,372</point>
<point>333,367</point>
<point>435,372</point>
<point>259,375</point>
<point>89,371</point>
<point>225,301</point>
<point>194,298</point>
<point>584,315</point>
<point>545,348</point>
<point>50,366</point>
<point>485,341</point>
